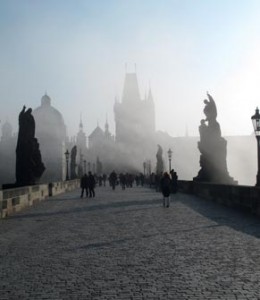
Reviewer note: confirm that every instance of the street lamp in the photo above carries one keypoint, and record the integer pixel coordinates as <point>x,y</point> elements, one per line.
<point>256,123</point>
<point>67,154</point>
<point>170,159</point>
<point>85,166</point>
<point>144,165</point>
<point>149,167</point>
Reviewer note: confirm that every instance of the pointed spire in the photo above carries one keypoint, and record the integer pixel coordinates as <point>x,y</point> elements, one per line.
<point>150,96</point>
<point>131,92</point>
<point>186,131</point>
<point>145,95</point>
<point>106,125</point>
<point>80,123</point>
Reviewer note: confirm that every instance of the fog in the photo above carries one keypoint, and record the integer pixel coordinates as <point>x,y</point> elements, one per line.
<point>79,52</point>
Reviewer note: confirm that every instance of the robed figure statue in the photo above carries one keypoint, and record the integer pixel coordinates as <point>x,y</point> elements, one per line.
<point>159,160</point>
<point>29,165</point>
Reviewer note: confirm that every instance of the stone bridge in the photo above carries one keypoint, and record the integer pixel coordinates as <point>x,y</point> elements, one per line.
<point>125,245</point>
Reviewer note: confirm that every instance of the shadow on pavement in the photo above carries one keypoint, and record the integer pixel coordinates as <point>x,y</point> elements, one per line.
<point>238,220</point>
<point>121,204</point>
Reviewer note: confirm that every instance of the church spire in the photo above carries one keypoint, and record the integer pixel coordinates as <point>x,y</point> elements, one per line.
<point>80,123</point>
<point>131,92</point>
<point>150,96</point>
<point>106,125</point>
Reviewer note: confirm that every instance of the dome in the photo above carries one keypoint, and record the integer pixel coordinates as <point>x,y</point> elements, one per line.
<point>7,129</point>
<point>49,120</point>
<point>97,132</point>
<point>7,126</point>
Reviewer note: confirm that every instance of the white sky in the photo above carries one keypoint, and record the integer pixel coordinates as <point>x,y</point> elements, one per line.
<point>77,50</point>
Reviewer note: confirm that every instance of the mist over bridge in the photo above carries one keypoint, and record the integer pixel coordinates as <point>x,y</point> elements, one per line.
<point>125,245</point>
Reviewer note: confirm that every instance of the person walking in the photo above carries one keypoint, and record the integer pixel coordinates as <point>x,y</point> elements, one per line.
<point>91,184</point>
<point>174,181</point>
<point>166,189</point>
<point>84,185</point>
<point>113,180</point>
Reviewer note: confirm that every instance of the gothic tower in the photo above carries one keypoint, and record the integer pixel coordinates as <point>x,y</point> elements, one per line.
<point>134,117</point>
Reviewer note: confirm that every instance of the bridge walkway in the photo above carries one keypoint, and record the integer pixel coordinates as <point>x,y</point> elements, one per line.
<point>125,245</point>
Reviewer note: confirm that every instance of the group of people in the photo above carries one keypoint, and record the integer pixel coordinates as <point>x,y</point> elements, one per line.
<point>166,183</point>
<point>87,184</point>
<point>125,180</point>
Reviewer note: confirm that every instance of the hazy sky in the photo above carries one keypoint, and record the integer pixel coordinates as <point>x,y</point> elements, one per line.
<point>77,50</point>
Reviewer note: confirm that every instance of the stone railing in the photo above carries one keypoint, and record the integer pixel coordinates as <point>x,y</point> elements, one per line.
<point>13,200</point>
<point>239,196</point>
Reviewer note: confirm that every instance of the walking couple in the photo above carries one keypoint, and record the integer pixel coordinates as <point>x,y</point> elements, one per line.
<point>87,184</point>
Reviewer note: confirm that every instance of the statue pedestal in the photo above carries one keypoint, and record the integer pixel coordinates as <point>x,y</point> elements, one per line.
<point>213,161</point>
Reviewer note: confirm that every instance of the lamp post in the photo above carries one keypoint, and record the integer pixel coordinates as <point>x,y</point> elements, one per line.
<point>85,166</point>
<point>170,158</point>
<point>144,165</point>
<point>149,167</point>
<point>67,164</point>
<point>256,123</point>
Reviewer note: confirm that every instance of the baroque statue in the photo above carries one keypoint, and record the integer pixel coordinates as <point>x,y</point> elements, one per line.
<point>213,148</point>
<point>159,160</point>
<point>29,165</point>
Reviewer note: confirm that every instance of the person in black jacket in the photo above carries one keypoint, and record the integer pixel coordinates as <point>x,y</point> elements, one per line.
<point>84,184</point>
<point>166,189</point>
<point>91,184</point>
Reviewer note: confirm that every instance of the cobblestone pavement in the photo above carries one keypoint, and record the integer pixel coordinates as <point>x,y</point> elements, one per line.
<point>125,245</point>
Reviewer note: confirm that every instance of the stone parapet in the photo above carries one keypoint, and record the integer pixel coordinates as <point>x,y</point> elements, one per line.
<point>14,200</point>
<point>239,196</point>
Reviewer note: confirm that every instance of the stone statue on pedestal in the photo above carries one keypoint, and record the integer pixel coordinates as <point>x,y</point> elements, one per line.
<point>73,174</point>
<point>159,161</point>
<point>213,148</point>
<point>29,165</point>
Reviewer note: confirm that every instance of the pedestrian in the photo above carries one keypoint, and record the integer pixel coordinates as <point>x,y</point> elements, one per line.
<point>91,184</point>
<point>166,189</point>
<point>113,179</point>
<point>84,185</point>
<point>104,179</point>
<point>174,181</point>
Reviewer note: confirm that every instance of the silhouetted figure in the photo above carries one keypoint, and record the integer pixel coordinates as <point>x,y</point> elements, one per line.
<point>73,174</point>
<point>122,179</point>
<point>137,180</point>
<point>159,160</point>
<point>104,179</point>
<point>129,180</point>
<point>29,165</point>
<point>113,179</point>
<point>142,179</point>
<point>166,189</point>
<point>84,184</point>
<point>213,148</point>
<point>174,181</point>
<point>210,109</point>
<point>100,179</point>
<point>99,166</point>
<point>91,184</point>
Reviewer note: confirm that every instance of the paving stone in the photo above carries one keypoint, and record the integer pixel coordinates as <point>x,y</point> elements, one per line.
<point>125,245</point>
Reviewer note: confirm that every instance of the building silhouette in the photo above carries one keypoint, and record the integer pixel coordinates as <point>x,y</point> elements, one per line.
<point>51,133</point>
<point>134,117</point>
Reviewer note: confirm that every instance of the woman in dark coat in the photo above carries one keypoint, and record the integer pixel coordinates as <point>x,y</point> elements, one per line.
<point>166,189</point>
